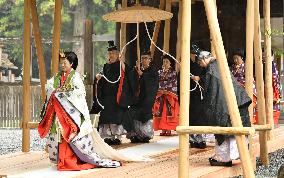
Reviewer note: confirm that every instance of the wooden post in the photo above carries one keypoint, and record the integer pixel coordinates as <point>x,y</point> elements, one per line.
<point>259,84</point>
<point>88,52</point>
<point>9,75</point>
<point>167,28</point>
<point>156,30</point>
<point>212,46</point>
<point>228,85</point>
<point>138,46</point>
<point>183,171</point>
<point>26,78</point>
<point>1,53</point>
<point>40,57</point>
<point>123,32</point>
<point>56,37</point>
<point>268,67</point>
<point>249,53</point>
<point>178,34</point>
<point>12,78</point>
<point>79,17</point>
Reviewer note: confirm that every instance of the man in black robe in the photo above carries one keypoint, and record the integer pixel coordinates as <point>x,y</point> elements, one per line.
<point>147,81</point>
<point>114,93</point>
<point>215,110</point>
<point>195,109</point>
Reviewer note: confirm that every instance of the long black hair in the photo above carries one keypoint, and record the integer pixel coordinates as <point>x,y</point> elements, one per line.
<point>240,52</point>
<point>172,61</point>
<point>71,57</point>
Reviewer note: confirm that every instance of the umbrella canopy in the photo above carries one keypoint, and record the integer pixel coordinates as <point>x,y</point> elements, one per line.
<point>136,14</point>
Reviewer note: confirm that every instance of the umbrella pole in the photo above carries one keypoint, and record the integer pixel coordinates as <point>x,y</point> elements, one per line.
<point>138,46</point>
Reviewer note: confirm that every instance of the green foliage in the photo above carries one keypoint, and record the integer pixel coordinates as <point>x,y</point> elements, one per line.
<point>12,21</point>
<point>99,8</point>
<point>274,33</point>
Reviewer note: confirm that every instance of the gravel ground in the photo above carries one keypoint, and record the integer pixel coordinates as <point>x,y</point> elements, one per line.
<point>11,141</point>
<point>276,160</point>
<point>8,146</point>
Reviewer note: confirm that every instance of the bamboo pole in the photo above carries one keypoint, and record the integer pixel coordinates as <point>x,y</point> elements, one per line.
<point>215,130</point>
<point>249,53</point>
<point>138,46</point>
<point>167,28</point>
<point>213,52</point>
<point>38,42</point>
<point>56,37</point>
<point>183,171</point>
<point>259,84</point>
<point>228,85</point>
<point>26,78</point>
<point>178,35</point>
<point>123,32</point>
<point>268,67</point>
<point>251,150</point>
<point>156,29</point>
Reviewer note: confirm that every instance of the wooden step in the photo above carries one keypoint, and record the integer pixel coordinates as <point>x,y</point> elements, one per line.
<point>165,164</point>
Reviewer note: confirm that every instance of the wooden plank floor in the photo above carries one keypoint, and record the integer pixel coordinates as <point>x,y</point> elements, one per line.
<point>165,164</point>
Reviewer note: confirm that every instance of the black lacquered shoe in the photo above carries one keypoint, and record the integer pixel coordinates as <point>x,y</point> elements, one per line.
<point>145,140</point>
<point>200,145</point>
<point>214,162</point>
<point>134,139</point>
<point>116,142</point>
<point>108,141</point>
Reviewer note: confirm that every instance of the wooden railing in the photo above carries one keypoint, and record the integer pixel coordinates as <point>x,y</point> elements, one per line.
<point>11,104</point>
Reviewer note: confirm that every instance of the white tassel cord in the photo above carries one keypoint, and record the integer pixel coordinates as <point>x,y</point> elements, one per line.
<point>197,84</point>
<point>119,69</point>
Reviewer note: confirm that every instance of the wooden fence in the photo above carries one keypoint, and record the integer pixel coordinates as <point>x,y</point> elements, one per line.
<point>11,103</point>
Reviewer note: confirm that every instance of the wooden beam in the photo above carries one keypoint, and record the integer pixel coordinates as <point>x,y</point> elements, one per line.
<point>156,30</point>
<point>167,28</point>
<point>26,77</point>
<point>138,45</point>
<point>259,84</point>
<point>228,85</point>
<point>88,52</point>
<point>262,127</point>
<point>183,170</point>
<point>249,53</point>
<point>178,34</point>
<point>56,37</point>
<point>212,46</point>
<point>32,125</point>
<point>38,42</point>
<point>215,130</point>
<point>123,32</point>
<point>268,67</point>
